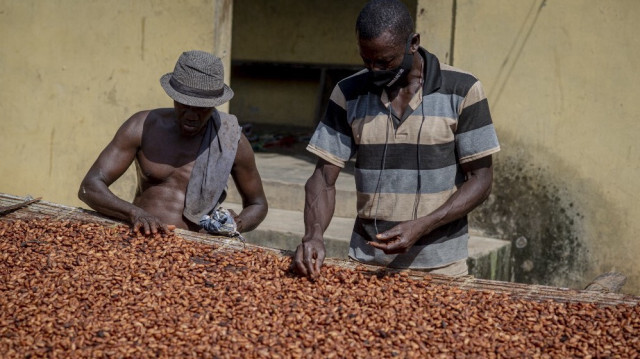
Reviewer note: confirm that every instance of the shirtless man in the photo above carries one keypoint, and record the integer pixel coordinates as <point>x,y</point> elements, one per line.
<point>164,143</point>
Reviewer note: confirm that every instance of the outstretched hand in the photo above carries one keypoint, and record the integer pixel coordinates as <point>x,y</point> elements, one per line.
<point>147,224</point>
<point>398,239</point>
<point>309,257</point>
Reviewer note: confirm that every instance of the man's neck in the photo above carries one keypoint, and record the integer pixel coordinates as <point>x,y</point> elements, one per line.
<point>406,89</point>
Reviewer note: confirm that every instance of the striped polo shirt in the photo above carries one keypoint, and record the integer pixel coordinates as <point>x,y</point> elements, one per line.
<point>407,166</point>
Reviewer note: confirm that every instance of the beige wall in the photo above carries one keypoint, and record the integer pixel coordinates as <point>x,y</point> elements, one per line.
<point>309,31</point>
<point>294,31</point>
<point>434,23</point>
<point>559,75</point>
<point>560,78</point>
<point>74,70</point>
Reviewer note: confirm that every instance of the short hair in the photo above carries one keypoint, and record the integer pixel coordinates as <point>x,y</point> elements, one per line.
<point>378,16</point>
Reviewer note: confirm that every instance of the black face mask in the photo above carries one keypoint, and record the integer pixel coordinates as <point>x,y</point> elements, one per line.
<point>386,78</point>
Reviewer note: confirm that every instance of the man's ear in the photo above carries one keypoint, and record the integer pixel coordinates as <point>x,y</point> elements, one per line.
<point>415,42</point>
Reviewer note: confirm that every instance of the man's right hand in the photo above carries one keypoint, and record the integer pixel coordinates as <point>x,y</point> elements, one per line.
<point>309,257</point>
<point>319,205</point>
<point>147,224</point>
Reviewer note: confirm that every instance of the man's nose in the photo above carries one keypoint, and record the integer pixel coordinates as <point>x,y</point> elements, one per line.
<point>190,115</point>
<point>374,67</point>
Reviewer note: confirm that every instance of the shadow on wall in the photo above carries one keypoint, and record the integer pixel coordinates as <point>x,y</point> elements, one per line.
<point>541,217</point>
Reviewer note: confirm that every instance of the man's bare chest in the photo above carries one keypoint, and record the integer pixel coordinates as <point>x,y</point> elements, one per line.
<point>400,104</point>
<point>153,172</point>
<point>166,161</point>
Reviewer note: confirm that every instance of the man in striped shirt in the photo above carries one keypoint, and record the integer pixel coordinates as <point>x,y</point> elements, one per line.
<point>422,137</point>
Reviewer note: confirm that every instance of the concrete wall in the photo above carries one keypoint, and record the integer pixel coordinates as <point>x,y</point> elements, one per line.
<point>309,35</point>
<point>310,31</point>
<point>73,70</point>
<point>560,78</point>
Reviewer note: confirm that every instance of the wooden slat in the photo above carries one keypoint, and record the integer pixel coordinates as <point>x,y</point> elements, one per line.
<point>13,207</point>
<point>520,290</point>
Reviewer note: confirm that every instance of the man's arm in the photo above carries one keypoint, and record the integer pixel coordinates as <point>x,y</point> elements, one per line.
<point>320,203</point>
<point>472,192</point>
<point>114,160</point>
<point>247,180</point>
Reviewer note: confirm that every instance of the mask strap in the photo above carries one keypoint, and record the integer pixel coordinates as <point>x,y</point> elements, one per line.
<point>416,201</point>
<point>407,62</point>
<point>384,158</point>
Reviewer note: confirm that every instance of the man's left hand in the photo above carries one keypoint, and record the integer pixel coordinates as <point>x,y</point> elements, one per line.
<point>398,239</point>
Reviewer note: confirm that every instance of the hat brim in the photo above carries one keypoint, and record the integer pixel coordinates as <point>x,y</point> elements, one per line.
<point>193,100</point>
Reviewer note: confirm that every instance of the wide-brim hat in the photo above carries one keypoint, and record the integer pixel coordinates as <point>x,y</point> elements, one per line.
<point>197,80</point>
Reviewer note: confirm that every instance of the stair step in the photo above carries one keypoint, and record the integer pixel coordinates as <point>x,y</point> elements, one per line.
<point>283,229</point>
<point>489,258</point>
<point>283,179</point>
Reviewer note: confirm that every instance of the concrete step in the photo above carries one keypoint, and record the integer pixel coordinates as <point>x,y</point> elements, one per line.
<point>284,177</point>
<point>489,258</point>
<point>283,229</point>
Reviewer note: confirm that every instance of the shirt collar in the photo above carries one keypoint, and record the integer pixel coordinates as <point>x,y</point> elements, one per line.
<point>432,73</point>
<point>433,80</point>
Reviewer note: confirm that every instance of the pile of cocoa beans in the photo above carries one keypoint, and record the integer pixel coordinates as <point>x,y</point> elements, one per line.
<point>73,289</point>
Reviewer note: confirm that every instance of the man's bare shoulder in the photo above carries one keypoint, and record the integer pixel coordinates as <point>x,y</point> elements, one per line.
<point>158,114</point>
<point>147,119</point>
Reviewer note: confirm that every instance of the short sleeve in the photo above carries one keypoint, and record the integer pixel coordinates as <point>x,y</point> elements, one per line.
<point>475,135</point>
<point>333,137</point>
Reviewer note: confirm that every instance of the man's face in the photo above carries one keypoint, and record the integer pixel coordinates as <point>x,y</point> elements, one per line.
<point>192,120</point>
<point>381,53</point>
